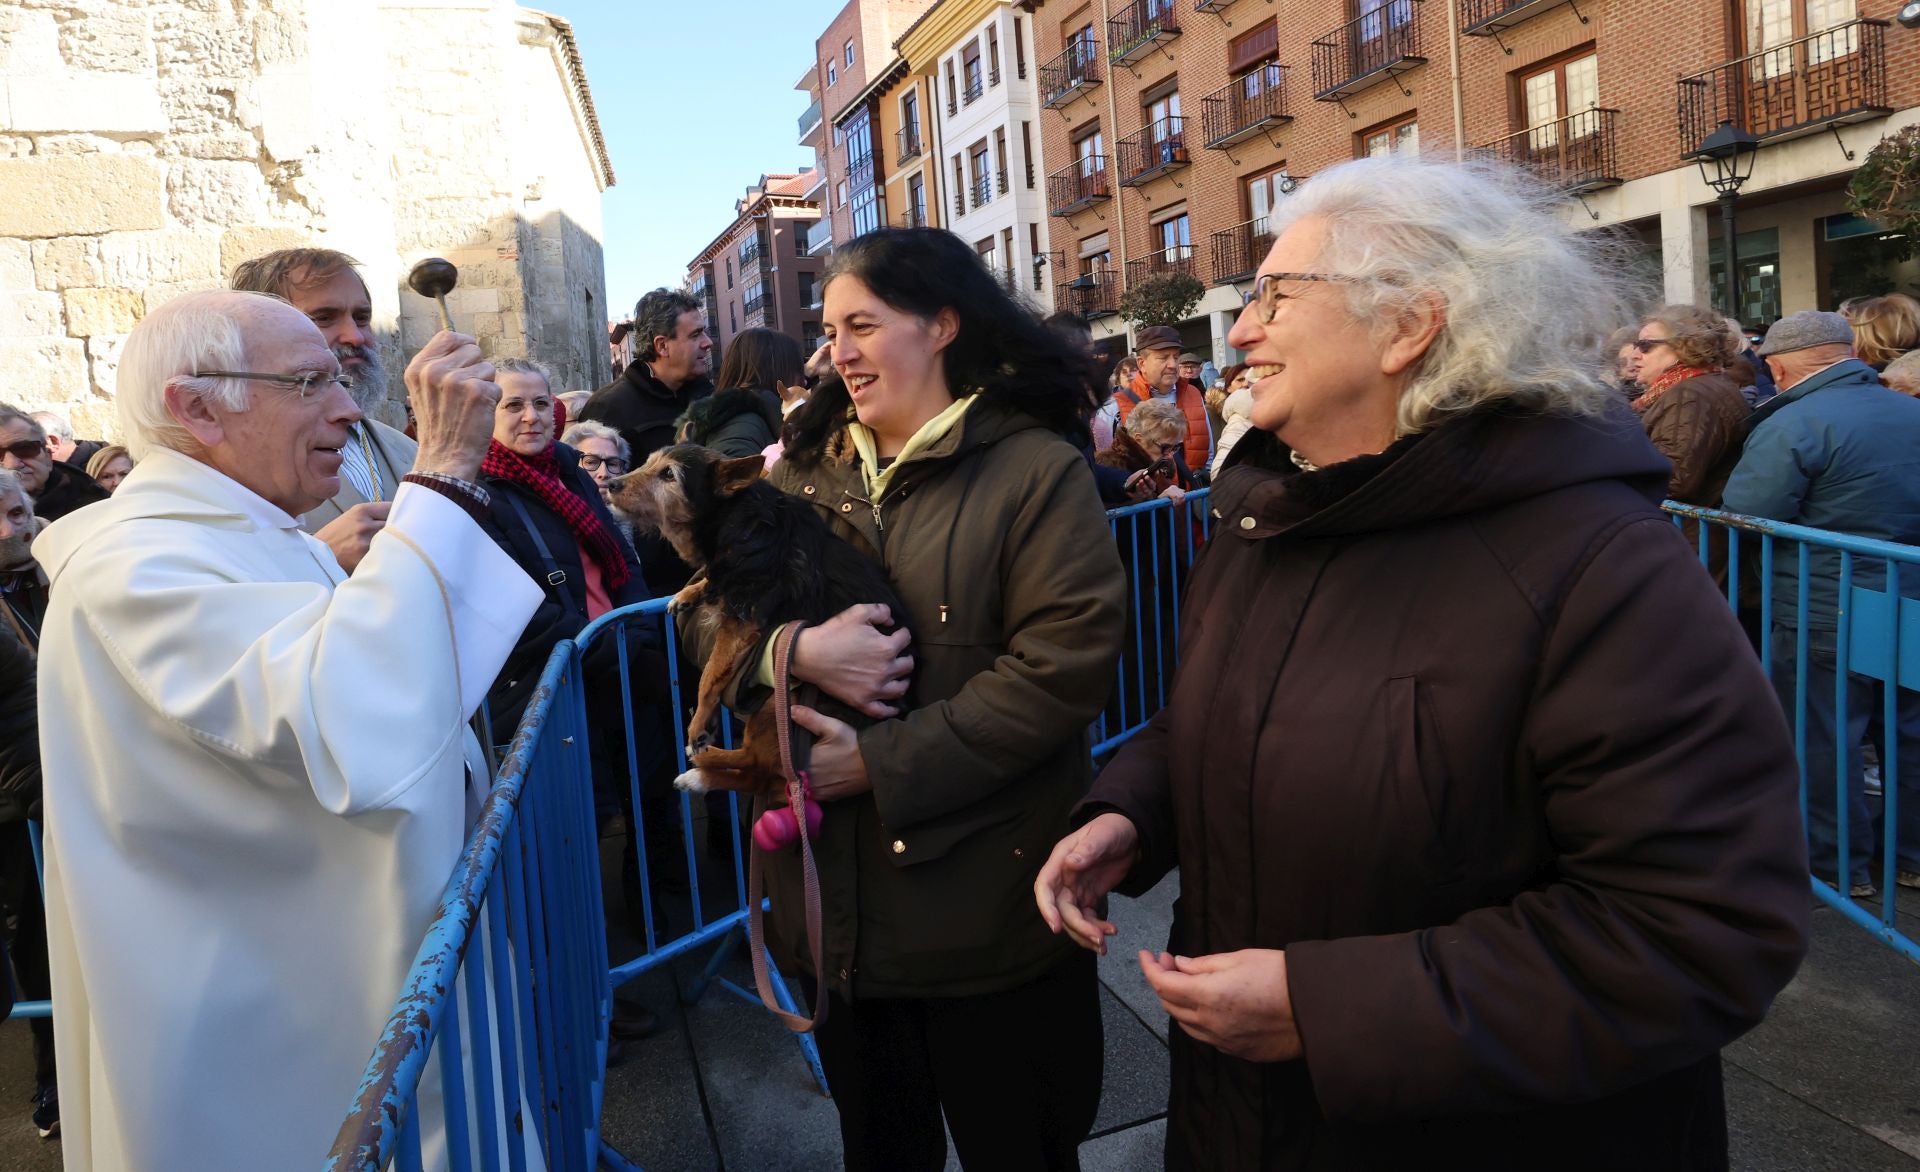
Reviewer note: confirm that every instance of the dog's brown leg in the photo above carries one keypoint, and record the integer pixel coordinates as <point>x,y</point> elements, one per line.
<point>689,596</point>
<point>733,642</point>
<point>752,767</point>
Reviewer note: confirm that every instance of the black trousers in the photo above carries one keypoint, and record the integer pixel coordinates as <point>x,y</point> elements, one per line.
<point>20,900</point>
<point>1016,1075</point>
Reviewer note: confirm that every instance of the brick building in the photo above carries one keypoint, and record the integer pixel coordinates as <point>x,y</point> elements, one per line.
<point>762,270</point>
<point>1173,126</point>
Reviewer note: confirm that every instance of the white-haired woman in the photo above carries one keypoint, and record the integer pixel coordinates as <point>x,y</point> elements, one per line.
<point>1484,814</point>
<point>601,452</point>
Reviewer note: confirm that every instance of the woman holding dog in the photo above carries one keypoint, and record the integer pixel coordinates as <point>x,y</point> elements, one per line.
<point>934,447</point>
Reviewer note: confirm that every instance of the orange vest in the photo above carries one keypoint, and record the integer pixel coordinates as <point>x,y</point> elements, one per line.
<point>1192,404</point>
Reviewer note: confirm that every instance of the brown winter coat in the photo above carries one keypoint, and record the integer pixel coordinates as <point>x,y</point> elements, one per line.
<point>1479,747</point>
<point>1700,425</point>
<point>996,541</point>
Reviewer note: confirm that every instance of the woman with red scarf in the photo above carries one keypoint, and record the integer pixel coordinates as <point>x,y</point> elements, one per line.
<point>549,517</point>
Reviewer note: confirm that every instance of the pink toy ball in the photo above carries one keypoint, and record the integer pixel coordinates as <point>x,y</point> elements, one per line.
<point>776,829</point>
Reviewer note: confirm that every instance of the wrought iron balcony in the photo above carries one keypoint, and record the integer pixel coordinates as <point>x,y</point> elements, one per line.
<point>1071,73</point>
<point>1090,295</point>
<point>975,86</point>
<point>913,217</point>
<point>1830,78</point>
<point>1140,26</point>
<point>1376,46</point>
<point>1000,180</point>
<point>907,145</point>
<point>982,189</point>
<point>1238,251</point>
<point>1153,151</point>
<point>960,202</point>
<point>1163,262</point>
<point>1578,153</point>
<point>1490,18</point>
<point>1248,105</point>
<point>1078,186</point>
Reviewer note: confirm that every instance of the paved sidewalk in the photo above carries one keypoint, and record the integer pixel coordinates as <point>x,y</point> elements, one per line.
<point>1828,1084</point>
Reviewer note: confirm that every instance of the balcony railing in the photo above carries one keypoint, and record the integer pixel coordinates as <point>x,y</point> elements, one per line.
<point>912,217</point>
<point>1152,151</point>
<point>1578,153</point>
<point>1246,106</point>
<point>960,202</point>
<point>907,145</point>
<point>1238,251</point>
<point>1000,180</point>
<point>1490,18</point>
<point>1835,76</point>
<point>1140,26</point>
<point>860,169</point>
<point>810,121</point>
<point>820,238</point>
<point>1089,295</point>
<point>1162,262</point>
<point>753,305</point>
<point>976,85</point>
<point>1077,186</point>
<point>982,189</point>
<point>1379,44</point>
<point>750,252</point>
<point>1066,76</point>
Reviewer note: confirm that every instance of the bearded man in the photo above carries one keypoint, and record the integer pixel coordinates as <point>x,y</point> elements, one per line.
<point>326,286</point>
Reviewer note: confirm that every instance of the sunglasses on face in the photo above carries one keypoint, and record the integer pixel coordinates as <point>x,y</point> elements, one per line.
<point>25,449</point>
<point>614,464</point>
<point>1649,345</point>
<point>1267,295</point>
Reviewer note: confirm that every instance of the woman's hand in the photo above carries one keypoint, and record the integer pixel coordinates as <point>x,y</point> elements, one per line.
<point>1139,486</point>
<point>1236,1002</point>
<point>1174,493</point>
<point>1082,869</point>
<point>848,658</point>
<point>835,768</point>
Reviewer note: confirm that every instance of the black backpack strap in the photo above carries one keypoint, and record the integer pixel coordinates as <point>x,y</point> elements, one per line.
<point>555,576</point>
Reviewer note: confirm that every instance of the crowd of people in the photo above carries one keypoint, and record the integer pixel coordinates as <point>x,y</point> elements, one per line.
<point>1463,738</point>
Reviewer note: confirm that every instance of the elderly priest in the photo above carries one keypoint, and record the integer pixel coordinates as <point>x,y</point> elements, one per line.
<point>264,772</point>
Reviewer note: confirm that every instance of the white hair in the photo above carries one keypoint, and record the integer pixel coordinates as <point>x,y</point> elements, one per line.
<point>194,331</point>
<point>1528,300</point>
<point>54,424</point>
<point>10,484</point>
<point>587,429</point>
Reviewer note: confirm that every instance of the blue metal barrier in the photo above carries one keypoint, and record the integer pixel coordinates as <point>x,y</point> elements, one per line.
<point>535,1001</point>
<point>1835,656</point>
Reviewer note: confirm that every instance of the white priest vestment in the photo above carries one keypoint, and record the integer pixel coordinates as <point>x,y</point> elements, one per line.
<point>256,787</point>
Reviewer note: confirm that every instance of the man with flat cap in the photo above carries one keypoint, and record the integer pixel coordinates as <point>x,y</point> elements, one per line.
<point>1158,351</point>
<point>1836,449</point>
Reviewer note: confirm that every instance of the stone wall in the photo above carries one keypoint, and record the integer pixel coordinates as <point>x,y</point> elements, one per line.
<point>147,148</point>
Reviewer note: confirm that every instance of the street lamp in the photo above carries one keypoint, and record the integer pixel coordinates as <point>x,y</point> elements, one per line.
<point>1726,163</point>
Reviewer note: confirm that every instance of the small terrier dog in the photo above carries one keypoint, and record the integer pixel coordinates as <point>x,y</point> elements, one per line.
<point>763,559</point>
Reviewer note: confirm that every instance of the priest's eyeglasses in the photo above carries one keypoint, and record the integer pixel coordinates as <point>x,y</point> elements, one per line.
<point>311,383</point>
<point>1266,296</point>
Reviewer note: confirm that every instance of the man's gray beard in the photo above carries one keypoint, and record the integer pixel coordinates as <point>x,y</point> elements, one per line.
<point>370,381</point>
<point>16,553</point>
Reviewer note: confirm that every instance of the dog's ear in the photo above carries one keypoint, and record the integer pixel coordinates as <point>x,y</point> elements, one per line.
<point>730,476</point>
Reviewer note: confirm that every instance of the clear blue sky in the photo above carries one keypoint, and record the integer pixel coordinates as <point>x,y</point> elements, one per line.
<point>696,100</point>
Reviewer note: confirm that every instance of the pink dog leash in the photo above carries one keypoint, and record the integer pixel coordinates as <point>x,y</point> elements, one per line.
<point>797,788</point>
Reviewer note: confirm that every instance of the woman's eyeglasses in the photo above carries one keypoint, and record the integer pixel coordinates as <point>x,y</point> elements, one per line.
<point>614,464</point>
<point>1266,296</point>
<point>24,449</point>
<point>309,384</point>
<point>1648,345</point>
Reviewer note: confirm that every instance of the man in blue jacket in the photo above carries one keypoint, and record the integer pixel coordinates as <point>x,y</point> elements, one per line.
<point>1835,449</point>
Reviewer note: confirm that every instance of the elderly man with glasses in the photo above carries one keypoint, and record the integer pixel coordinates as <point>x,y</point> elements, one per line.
<point>56,488</point>
<point>265,772</point>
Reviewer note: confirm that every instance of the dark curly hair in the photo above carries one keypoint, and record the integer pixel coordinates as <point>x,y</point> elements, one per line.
<point>657,315</point>
<point>1001,350</point>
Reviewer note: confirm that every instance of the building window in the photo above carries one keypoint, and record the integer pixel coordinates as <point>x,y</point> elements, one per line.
<point>970,72</point>
<point>1771,24</point>
<point>1173,238</point>
<point>989,250</point>
<point>1026,150</point>
<point>867,210</point>
<point>1088,148</point>
<point>838,134</point>
<point>1401,136</point>
<point>833,75</point>
<point>802,231</point>
<point>840,194</point>
<point>1163,116</point>
<point>953,93</point>
<point>729,272</point>
<point>1000,154</point>
<point>733,318</point>
<point>1256,46</point>
<point>849,54</point>
<point>1262,193</point>
<point>981,168</point>
<point>1033,249</point>
<point>1563,89</point>
<point>993,55</point>
<point>1019,51</point>
<point>1006,248</point>
<point>916,202</point>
